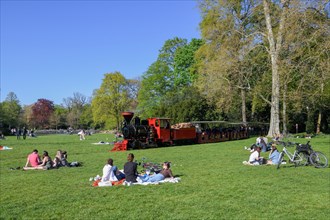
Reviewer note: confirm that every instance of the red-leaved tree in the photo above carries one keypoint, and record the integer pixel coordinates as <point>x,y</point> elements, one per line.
<point>42,110</point>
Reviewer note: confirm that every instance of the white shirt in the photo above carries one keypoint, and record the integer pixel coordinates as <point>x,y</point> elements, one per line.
<point>254,156</point>
<point>108,174</point>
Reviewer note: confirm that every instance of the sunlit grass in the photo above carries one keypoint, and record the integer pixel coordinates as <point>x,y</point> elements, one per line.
<point>214,184</point>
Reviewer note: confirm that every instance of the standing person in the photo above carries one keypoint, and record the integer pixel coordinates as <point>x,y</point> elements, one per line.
<point>24,132</point>
<point>82,135</point>
<point>18,133</point>
<point>130,169</point>
<point>164,173</point>
<point>33,159</point>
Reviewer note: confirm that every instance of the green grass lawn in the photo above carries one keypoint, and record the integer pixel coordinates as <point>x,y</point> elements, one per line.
<point>214,184</point>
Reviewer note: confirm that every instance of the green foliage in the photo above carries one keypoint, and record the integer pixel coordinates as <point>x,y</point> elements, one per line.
<point>10,111</point>
<point>214,184</point>
<point>59,117</point>
<point>187,105</point>
<point>159,78</point>
<point>227,73</point>
<point>110,100</point>
<point>153,87</point>
<point>86,118</point>
<point>166,87</point>
<point>185,71</point>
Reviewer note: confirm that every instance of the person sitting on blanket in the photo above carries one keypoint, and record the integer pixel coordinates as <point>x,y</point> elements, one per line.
<point>111,172</point>
<point>274,156</point>
<point>130,169</point>
<point>46,163</point>
<point>33,159</point>
<point>60,159</point>
<point>164,173</point>
<point>254,158</point>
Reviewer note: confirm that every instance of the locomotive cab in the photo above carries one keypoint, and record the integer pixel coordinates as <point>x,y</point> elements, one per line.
<point>160,129</point>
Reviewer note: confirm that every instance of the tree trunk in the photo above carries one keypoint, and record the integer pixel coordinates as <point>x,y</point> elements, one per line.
<point>285,130</point>
<point>319,118</point>
<point>243,96</point>
<point>274,49</point>
<point>318,126</point>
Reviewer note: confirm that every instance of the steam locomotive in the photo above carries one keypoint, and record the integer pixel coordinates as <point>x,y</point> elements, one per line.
<point>158,132</point>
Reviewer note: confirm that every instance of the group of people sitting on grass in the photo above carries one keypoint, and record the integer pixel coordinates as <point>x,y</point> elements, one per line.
<point>34,162</point>
<point>130,174</point>
<point>262,146</point>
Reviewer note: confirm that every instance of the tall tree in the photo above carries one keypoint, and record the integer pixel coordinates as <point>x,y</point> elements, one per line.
<point>305,47</point>
<point>185,64</point>
<point>226,29</point>
<point>110,100</point>
<point>58,118</point>
<point>11,110</point>
<point>75,106</point>
<point>86,117</point>
<point>134,86</point>
<point>42,111</point>
<point>159,78</point>
<point>275,46</point>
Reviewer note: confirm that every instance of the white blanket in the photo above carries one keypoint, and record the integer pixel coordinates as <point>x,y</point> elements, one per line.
<point>166,180</point>
<point>102,142</point>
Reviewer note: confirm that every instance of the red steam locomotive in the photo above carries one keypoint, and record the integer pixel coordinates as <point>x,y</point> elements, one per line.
<point>158,132</point>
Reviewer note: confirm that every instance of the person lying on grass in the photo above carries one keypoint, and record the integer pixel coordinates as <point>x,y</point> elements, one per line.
<point>46,163</point>
<point>156,177</point>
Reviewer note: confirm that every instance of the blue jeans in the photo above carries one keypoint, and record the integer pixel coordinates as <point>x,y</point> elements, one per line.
<point>154,178</point>
<point>120,175</point>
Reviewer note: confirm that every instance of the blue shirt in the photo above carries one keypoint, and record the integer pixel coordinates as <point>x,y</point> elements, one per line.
<point>274,157</point>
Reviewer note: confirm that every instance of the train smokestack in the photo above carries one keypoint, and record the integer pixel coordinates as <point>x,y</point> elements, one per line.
<point>127,116</point>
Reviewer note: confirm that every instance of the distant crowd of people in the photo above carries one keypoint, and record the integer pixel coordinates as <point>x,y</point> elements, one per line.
<point>24,132</point>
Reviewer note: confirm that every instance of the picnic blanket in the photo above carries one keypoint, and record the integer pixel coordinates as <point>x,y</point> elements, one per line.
<point>5,148</point>
<point>102,142</point>
<point>166,180</point>
<point>98,183</point>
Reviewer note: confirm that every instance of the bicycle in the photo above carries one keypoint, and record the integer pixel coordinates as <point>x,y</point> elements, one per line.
<point>299,158</point>
<point>303,155</point>
<point>316,158</point>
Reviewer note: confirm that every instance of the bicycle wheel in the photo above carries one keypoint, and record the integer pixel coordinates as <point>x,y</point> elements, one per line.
<point>318,159</point>
<point>280,160</point>
<point>302,159</point>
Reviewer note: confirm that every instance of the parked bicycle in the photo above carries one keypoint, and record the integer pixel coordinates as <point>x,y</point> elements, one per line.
<point>316,158</point>
<point>303,155</point>
<point>299,158</point>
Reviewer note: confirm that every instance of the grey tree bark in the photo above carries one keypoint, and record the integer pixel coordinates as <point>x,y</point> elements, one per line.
<point>274,49</point>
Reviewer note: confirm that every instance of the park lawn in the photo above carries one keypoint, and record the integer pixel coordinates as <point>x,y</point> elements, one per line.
<point>214,183</point>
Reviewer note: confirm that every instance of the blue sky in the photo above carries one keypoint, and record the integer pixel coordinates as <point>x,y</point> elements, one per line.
<point>52,49</point>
